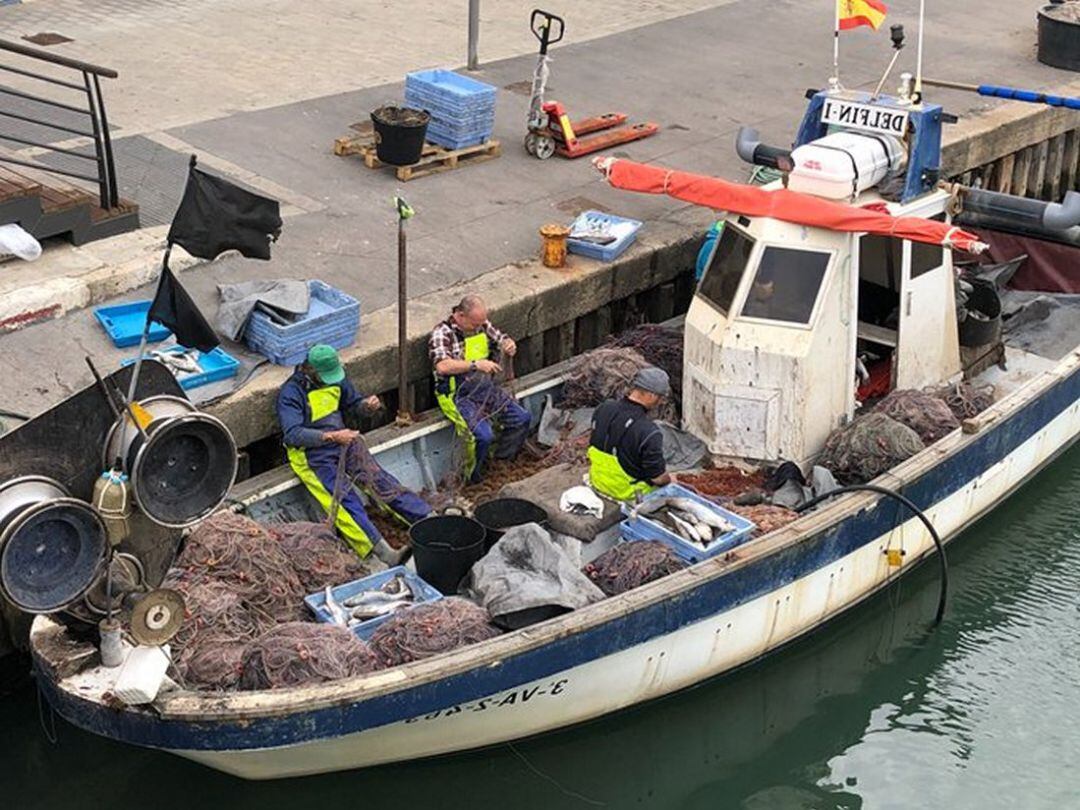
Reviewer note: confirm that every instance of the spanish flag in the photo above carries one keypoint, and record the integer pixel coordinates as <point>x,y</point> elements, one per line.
<point>853,13</point>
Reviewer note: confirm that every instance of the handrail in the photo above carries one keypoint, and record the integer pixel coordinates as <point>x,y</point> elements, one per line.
<point>64,61</point>
<point>93,106</point>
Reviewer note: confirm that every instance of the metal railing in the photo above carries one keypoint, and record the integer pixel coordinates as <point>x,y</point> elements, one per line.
<point>92,106</point>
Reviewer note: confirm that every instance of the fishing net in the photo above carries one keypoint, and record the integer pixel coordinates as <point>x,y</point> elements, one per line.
<point>867,447</point>
<point>661,347</point>
<point>723,482</point>
<point>218,625</point>
<point>628,565</point>
<point>317,555</point>
<point>302,653</point>
<point>604,374</point>
<point>766,517</point>
<point>964,399</point>
<point>924,413</point>
<point>235,550</point>
<point>431,629</point>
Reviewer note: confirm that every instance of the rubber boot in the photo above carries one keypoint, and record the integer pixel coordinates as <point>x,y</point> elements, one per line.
<point>389,555</point>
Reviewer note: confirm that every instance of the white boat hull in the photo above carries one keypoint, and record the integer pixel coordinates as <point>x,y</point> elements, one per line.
<point>663,665</point>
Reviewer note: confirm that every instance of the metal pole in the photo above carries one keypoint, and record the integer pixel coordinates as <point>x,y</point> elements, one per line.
<point>918,57</point>
<point>403,415</point>
<point>474,35</point>
<point>834,82</point>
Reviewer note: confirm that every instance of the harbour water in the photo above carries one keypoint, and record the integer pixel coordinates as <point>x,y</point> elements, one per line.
<point>879,710</point>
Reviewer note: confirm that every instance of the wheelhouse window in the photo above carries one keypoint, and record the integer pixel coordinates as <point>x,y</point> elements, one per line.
<point>786,285</point>
<point>725,270</point>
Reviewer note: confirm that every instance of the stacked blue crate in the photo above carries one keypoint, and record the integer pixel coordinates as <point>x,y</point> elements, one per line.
<point>462,109</point>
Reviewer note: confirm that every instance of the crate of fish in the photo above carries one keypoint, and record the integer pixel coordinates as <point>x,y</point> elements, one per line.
<point>333,317</point>
<point>601,236</point>
<point>696,528</point>
<point>364,604</point>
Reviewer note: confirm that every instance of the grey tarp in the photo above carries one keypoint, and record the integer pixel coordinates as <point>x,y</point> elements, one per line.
<point>287,296</point>
<point>526,571</point>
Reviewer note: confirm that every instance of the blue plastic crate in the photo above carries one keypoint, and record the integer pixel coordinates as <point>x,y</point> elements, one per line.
<point>625,230</point>
<point>213,366</point>
<point>316,602</point>
<point>124,323</point>
<point>455,142</point>
<point>453,88</point>
<point>644,529</point>
<point>333,317</point>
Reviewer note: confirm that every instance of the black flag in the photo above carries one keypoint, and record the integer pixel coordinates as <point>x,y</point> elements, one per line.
<point>215,216</point>
<point>173,307</point>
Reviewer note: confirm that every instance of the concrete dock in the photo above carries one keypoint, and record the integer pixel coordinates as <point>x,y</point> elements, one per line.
<point>259,92</point>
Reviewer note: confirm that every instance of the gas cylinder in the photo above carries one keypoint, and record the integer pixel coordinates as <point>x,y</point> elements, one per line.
<point>112,499</point>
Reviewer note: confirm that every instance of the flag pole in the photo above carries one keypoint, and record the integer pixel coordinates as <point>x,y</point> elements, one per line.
<point>834,82</point>
<point>146,331</point>
<point>918,58</point>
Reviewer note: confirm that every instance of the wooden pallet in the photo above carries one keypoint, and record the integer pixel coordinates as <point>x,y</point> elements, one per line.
<point>433,158</point>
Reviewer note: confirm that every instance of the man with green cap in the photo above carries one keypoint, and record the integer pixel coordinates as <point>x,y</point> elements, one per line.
<point>311,407</point>
<point>626,448</point>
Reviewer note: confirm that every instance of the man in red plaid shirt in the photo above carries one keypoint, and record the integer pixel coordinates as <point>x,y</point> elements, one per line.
<point>461,349</point>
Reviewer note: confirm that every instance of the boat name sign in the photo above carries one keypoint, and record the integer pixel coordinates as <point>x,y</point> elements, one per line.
<point>515,697</point>
<point>866,117</point>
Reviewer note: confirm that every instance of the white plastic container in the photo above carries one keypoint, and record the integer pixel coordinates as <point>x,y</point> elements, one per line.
<point>142,675</point>
<point>841,165</point>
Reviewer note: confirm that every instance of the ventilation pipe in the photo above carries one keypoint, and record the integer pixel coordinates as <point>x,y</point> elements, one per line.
<point>749,147</point>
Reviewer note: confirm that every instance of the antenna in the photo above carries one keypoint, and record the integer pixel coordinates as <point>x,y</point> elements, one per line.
<point>918,58</point>
<point>896,33</point>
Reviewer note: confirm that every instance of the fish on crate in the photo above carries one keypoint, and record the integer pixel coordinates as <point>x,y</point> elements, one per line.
<point>395,589</point>
<point>684,517</point>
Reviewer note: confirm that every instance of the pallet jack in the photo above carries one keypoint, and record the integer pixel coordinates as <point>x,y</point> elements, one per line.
<point>550,129</point>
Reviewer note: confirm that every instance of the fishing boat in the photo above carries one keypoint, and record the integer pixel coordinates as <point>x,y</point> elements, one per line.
<point>799,289</point>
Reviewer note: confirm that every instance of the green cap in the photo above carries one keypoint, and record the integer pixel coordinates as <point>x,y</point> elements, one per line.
<point>326,364</point>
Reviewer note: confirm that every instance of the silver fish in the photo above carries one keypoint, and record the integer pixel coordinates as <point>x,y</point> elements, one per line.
<point>377,597</point>
<point>365,612</point>
<point>398,586</point>
<point>702,513</point>
<point>686,530</point>
<point>337,614</point>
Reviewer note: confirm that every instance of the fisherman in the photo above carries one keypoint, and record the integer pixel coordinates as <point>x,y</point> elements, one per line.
<point>626,448</point>
<point>461,349</point>
<point>311,407</point>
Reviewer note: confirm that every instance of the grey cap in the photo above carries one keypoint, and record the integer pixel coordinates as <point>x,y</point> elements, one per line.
<point>654,380</point>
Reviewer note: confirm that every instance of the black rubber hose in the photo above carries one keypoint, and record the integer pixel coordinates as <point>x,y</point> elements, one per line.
<point>918,513</point>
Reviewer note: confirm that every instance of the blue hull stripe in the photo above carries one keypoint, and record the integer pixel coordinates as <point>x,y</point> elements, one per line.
<point>710,598</point>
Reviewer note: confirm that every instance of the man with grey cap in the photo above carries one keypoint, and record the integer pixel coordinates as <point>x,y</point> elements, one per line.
<point>626,449</point>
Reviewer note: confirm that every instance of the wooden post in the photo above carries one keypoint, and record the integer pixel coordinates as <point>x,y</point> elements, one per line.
<point>1037,171</point>
<point>1020,172</point>
<point>1053,167</point>
<point>1072,158</point>
<point>1005,174</point>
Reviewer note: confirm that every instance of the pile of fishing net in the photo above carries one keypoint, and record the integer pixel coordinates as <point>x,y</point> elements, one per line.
<point>964,399</point>
<point>867,447</point>
<point>235,550</point>
<point>924,413</point>
<point>628,565</point>
<point>317,555</point>
<point>723,482</point>
<point>603,374</point>
<point>218,626</point>
<point>660,346</point>
<point>303,653</point>
<point>766,516</point>
<point>431,629</point>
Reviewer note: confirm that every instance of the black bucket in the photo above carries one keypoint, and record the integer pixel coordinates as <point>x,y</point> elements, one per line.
<point>504,513</point>
<point>445,547</point>
<point>1059,36</point>
<point>399,134</point>
<point>985,330</point>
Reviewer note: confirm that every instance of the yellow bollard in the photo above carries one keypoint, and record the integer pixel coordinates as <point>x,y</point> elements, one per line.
<point>554,253</point>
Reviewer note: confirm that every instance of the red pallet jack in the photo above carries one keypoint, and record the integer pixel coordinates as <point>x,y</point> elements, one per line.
<point>550,129</point>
